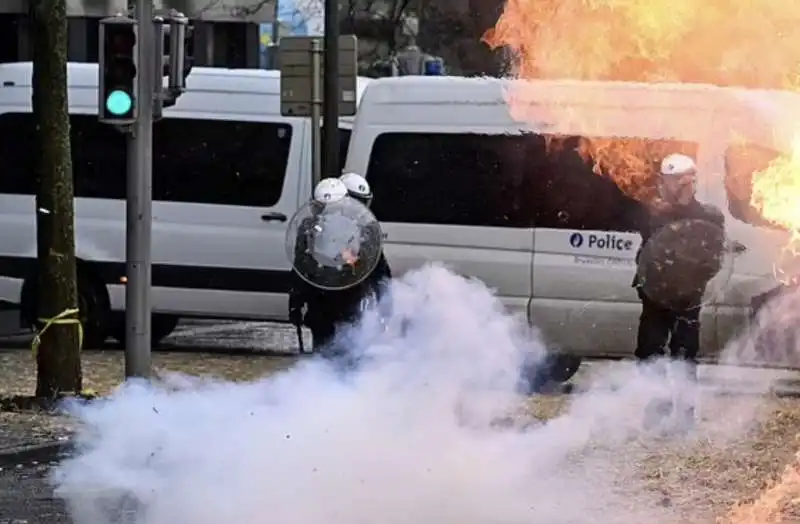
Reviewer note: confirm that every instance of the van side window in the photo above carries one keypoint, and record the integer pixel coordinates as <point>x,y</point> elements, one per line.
<point>220,162</point>
<point>17,154</point>
<point>452,179</point>
<point>742,162</point>
<point>523,180</point>
<point>98,158</point>
<point>202,161</point>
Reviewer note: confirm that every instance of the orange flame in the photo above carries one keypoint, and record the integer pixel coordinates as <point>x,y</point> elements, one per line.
<point>776,190</point>
<point>722,42</point>
<point>776,197</point>
<point>769,507</point>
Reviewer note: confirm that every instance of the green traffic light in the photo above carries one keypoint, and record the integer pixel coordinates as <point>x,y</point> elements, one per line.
<point>118,103</point>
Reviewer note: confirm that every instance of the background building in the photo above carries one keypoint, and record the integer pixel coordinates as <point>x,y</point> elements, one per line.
<point>225,33</point>
<point>453,30</point>
<point>237,33</point>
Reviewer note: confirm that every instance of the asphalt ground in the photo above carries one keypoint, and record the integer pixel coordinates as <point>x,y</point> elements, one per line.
<point>26,496</point>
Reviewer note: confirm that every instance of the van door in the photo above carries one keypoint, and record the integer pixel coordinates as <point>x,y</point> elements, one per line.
<point>225,190</point>
<point>454,198</point>
<point>583,298</point>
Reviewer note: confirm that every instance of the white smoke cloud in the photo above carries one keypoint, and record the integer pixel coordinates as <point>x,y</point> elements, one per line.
<point>409,438</point>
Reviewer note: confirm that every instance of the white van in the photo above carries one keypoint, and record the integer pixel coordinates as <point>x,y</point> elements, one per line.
<point>228,171</point>
<point>458,178</point>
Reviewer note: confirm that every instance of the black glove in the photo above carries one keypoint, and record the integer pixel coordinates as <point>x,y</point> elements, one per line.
<point>295,310</point>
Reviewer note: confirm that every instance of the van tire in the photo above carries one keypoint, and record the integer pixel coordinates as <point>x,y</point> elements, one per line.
<point>564,366</point>
<point>161,326</point>
<point>549,375</point>
<point>93,304</point>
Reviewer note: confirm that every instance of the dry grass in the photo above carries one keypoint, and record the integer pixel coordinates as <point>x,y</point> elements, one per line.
<point>103,371</point>
<point>709,476</point>
<point>704,478</point>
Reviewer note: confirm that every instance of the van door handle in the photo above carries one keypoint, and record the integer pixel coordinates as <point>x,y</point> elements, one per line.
<point>273,217</point>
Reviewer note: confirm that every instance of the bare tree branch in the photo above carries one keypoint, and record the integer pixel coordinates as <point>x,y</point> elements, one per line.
<point>234,8</point>
<point>382,26</point>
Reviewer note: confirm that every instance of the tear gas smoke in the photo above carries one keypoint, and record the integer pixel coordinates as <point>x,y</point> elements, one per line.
<point>411,436</point>
<point>773,338</point>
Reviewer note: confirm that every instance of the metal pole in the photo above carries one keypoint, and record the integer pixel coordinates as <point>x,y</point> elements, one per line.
<point>276,32</point>
<point>316,109</point>
<point>330,109</point>
<point>139,205</point>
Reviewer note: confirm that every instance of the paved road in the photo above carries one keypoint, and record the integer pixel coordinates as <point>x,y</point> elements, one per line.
<point>210,335</point>
<point>255,337</point>
<point>243,336</point>
<point>27,498</point>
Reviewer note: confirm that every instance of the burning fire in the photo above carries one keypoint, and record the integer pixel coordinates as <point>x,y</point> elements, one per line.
<point>769,507</point>
<point>776,197</point>
<point>776,190</point>
<point>722,42</point>
<point>631,163</point>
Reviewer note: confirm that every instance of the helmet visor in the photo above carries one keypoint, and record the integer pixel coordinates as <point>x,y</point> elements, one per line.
<point>679,187</point>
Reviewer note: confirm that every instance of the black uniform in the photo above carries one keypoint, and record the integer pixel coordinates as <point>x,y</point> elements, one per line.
<point>659,322</point>
<point>326,309</point>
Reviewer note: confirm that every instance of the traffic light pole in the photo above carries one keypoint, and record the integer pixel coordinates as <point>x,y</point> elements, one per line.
<point>138,304</point>
<point>330,104</point>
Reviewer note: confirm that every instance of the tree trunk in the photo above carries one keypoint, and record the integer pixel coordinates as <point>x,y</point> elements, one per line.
<point>58,356</point>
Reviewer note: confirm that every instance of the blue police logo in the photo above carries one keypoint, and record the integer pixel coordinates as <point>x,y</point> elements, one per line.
<point>576,240</point>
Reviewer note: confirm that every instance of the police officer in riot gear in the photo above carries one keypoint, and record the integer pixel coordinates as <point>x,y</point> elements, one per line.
<point>662,323</point>
<point>325,309</point>
<point>358,189</point>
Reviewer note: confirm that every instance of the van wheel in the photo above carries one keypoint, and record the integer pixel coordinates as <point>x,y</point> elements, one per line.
<point>161,326</point>
<point>548,375</point>
<point>564,366</point>
<point>93,305</point>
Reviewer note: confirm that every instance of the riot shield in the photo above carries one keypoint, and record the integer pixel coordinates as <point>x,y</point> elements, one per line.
<point>334,246</point>
<point>684,264</point>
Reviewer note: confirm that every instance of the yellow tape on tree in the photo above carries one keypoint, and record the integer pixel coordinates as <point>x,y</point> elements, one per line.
<point>65,318</point>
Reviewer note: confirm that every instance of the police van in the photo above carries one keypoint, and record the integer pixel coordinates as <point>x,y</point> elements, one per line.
<point>488,176</point>
<point>228,173</point>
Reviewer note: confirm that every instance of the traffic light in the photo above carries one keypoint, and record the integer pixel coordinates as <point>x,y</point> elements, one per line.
<point>117,71</point>
<point>173,60</point>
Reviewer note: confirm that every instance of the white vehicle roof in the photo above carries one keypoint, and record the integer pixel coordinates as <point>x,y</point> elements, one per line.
<point>431,101</point>
<point>249,84</point>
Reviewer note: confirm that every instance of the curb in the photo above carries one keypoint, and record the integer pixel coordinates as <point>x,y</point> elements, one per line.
<point>46,452</point>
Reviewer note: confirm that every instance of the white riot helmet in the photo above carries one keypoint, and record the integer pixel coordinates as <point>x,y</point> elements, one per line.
<point>678,182</point>
<point>357,187</point>
<point>329,190</point>
<point>678,165</point>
